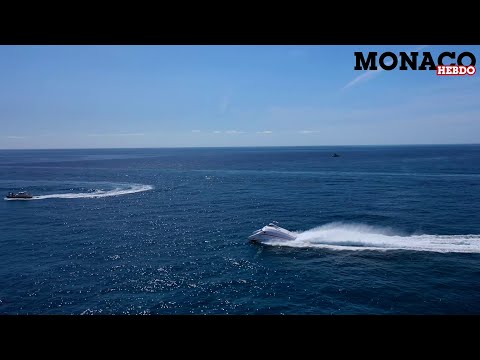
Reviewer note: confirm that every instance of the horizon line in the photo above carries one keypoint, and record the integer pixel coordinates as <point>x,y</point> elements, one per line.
<point>230,147</point>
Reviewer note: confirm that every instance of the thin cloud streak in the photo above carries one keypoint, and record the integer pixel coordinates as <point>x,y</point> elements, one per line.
<point>129,134</point>
<point>308,131</point>
<point>228,132</point>
<point>264,132</point>
<point>234,132</point>
<point>371,74</point>
<point>225,104</point>
<point>16,137</point>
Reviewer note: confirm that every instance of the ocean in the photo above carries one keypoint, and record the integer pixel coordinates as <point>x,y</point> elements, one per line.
<point>381,230</point>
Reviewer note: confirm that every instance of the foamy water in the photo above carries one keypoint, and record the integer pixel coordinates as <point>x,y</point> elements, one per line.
<point>119,190</point>
<point>340,236</point>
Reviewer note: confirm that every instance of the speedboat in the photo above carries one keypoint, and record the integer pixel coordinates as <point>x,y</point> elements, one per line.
<point>21,195</point>
<point>271,232</point>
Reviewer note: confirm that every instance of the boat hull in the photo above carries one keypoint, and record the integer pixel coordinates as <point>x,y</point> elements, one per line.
<point>271,233</point>
<point>267,238</point>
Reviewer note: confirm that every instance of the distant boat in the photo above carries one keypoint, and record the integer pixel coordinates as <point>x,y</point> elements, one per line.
<point>335,155</point>
<point>21,195</point>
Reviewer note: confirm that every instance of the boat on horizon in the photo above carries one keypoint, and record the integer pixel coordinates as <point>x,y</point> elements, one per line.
<point>271,232</point>
<point>22,195</point>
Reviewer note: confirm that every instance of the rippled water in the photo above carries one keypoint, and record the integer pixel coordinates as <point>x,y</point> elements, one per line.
<point>164,231</point>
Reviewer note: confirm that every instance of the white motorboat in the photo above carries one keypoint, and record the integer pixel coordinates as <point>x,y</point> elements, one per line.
<point>272,232</point>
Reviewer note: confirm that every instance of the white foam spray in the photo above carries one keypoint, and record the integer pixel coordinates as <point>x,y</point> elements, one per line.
<point>341,236</point>
<point>127,189</point>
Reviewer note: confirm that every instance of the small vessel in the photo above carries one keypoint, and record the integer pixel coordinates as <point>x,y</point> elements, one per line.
<point>20,195</point>
<point>272,232</point>
<point>335,155</point>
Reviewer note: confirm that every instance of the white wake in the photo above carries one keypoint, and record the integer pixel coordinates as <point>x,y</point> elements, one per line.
<point>127,189</point>
<point>340,236</point>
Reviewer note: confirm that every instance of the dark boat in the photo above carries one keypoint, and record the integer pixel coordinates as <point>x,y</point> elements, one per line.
<point>335,155</point>
<point>20,195</point>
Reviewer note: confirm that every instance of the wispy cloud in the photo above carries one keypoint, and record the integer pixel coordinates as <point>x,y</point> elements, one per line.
<point>195,131</point>
<point>120,134</point>
<point>421,47</point>
<point>225,104</point>
<point>229,132</point>
<point>234,132</point>
<point>16,137</point>
<point>370,74</point>
<point>264,132</point>
<point>308,131</point>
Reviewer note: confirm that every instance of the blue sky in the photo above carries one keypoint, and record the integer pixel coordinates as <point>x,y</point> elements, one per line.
<point>169,96</point>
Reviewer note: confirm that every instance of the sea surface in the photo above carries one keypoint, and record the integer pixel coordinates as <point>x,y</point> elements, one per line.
<point>381,230</point>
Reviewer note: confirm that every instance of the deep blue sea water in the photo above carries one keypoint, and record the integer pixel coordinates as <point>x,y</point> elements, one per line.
<point>382,230</point>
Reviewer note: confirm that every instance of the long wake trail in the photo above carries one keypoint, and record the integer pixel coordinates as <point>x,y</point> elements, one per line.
<point>340,236</point>
<point>128,189</point>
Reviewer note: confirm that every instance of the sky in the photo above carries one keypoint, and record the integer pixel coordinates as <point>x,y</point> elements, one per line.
<point>236,95</point>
